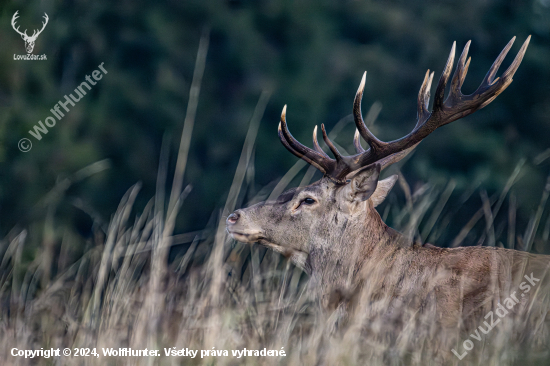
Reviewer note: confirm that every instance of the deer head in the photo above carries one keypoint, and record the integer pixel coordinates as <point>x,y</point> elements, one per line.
<point>29,40</point>
<point>316,216</point>
<point>331,227</point>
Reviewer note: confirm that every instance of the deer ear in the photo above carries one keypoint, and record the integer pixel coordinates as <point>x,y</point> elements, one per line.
<point>384,187</point>
<point>363,183</point>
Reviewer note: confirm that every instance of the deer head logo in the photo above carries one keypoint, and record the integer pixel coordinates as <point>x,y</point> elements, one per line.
<point>29,40</point>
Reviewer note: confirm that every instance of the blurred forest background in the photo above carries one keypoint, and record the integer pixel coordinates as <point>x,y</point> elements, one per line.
<point>309,54</point>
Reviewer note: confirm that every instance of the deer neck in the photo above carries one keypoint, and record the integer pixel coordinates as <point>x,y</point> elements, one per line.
<point>336,259</point>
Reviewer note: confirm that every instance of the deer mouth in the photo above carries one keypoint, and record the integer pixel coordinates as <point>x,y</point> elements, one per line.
<point>245,237</point>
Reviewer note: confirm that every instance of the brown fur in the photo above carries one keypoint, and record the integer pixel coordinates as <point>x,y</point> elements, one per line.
<point>342,242</point>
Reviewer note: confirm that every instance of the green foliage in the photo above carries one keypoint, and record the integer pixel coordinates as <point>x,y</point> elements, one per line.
<point>308,54</point>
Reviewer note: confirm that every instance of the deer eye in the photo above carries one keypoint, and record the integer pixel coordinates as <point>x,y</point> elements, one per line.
<point>308,201</point>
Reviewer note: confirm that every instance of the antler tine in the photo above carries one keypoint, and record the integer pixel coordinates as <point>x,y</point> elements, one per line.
<point>509,73</point>
<point>488,79</point>
<point>299,155</point>
<point>374,143</point>
<point>297,148</point>
<point>423,99</point>
<point>440,91</point>
<point>503,82</point>
<point>330,145</point>
<point>316,144</point>
<point>324,164</point>
<point>460,73</point>
<point>357,142</point>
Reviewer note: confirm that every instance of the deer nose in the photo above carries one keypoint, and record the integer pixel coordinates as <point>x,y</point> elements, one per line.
<point>232,219</point>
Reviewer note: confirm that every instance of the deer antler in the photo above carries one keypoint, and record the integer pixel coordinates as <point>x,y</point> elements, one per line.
<point>13,20</point>
<point>456,106</point>
<point>36,33</point>
<point>24,34</point>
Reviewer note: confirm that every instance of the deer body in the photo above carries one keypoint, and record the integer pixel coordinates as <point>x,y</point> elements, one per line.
<point>332,230</point>
<point>343,244</point>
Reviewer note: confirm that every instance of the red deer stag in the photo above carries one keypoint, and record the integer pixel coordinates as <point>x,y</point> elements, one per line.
<point>332,230</point>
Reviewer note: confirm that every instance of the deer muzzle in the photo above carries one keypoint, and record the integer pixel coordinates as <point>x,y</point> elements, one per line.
<point>242,230</point>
